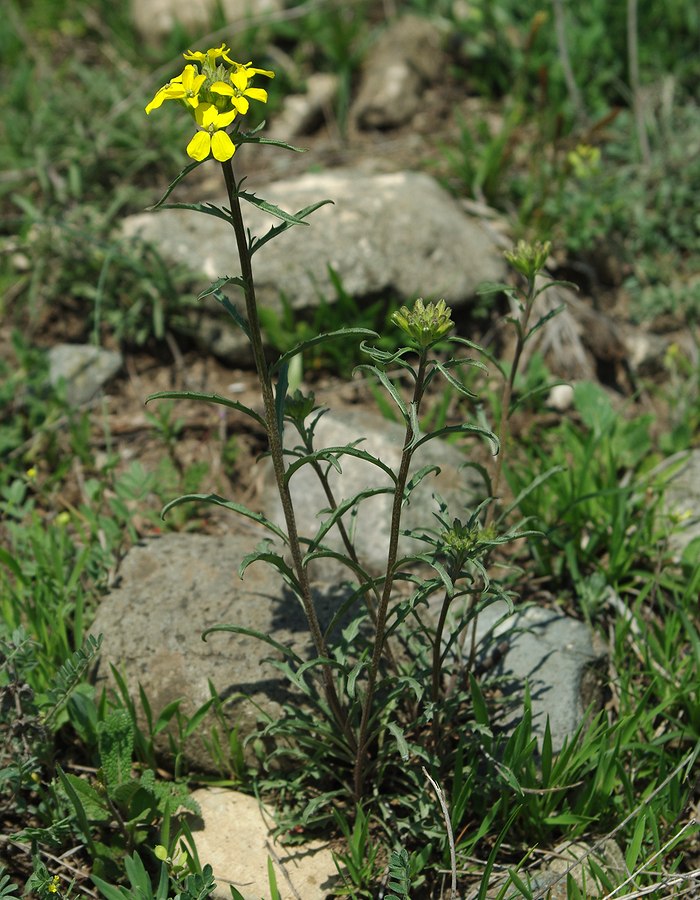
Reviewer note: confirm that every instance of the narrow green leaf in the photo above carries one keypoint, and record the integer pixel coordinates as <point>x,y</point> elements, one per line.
<point>341,509</point>
<point>400,739</point>
<point>173,184</point>
<point>320,339</point>
<point>543,321</point>
<point>232,311</point>
<point>251,632</point>
<point>464,428</point>
<point>207,398</point>
<point>273,210</point>
<point>166,715</point>
<point>208,209</point>
<point>335,452</point>
<point>215,286</point>
<point>195,720</point>
<point>257,243</point>
<point>384,379</point>
<point>635,845</point>
<point>227,504</point>
<point>417,477</point>
<point>480,711</point>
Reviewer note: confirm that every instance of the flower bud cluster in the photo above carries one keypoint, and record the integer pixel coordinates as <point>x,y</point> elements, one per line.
<point>424,324</point>
<point>215,89</point>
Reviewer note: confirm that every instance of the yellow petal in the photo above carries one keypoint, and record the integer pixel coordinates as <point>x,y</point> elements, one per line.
<point>241,104</point>
<point>205,114</point>
<point>220,87</point>
<point>224,119</point>
<point>222,146</point>
<point>198,148</point>
<point>157,101</point>
<point>240,79</point>
<point>257,94</point>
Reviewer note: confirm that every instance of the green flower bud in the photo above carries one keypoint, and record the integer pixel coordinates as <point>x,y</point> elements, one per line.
<point>529,259</point>
<point>424,324</point>
<point>298,405</point>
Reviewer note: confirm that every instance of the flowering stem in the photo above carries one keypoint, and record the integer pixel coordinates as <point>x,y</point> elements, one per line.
<point>504,425</point>
<point>380,628</point>
<point>276,448</point>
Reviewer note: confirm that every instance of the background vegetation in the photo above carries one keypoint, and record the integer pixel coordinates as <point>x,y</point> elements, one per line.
<point>81,792</point>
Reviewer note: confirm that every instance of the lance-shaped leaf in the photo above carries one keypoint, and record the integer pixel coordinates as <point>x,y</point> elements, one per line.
<point>530,488</point>
<point>417,477</point>
<point>320,339</point>
<point>273,210</point>
<point>208,398</point>
<point>481,350</point>
<point>391,388</point>
<point>251,632</point>
<point>227,504</point>
<point>543,321</point>
<point>173,184</point>
<point>342,508</point>
<point>208,209</point>
<point>256,243</point>
<point>215,286</point>
<point>276,561</point>
<point>232,311</point>
<point>455,382</point>
<point>464,428</point>
<point>331,454</point>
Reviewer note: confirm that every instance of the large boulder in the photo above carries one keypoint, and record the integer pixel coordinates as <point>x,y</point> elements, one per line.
<point>396,234</point>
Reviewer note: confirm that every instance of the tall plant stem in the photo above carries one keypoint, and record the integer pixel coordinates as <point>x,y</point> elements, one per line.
<point>379,636</point>
<point>504,424</point>
<point>276,448</point>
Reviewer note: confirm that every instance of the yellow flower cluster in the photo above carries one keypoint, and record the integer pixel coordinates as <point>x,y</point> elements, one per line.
<point>214,93</point>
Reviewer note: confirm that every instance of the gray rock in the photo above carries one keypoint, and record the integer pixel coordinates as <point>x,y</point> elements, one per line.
<point>155,19</point>
<point>406,59</point>
<point>384,439</point>
<point>173,588</point>
<point>235,837</point>
<point>302,113</point>
<point>551,652</point>
<point>396,234</point>
<point>682,499</point>
<point>85,369</point>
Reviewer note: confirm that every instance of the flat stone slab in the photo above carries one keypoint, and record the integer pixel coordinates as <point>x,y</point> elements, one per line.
<point>397,234</point>
<point>85,369</point>
<point>235,837</point>
<point>549,651</point>
<point>460,487</point>
<point>174,587</point>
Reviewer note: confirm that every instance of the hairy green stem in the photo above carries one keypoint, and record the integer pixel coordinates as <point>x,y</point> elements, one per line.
<point>382,610</point>
<point>276,447</point>
<point>504,425</point>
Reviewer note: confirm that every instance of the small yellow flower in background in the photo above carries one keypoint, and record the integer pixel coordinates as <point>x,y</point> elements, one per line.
<point>63,518</point>
<point>31,474</point>
<point>53,885</point>
<point>214,89</point>
<point>424,324</point>
<point>584,160</point>
<point>212,138</point>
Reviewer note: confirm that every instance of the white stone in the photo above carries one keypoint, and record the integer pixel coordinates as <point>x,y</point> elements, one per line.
<point>237,842</point>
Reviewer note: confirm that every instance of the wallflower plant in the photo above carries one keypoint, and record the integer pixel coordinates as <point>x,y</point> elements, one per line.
<point>360,682</point>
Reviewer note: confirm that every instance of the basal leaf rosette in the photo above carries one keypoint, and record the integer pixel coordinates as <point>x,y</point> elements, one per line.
<point>215,90</point>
